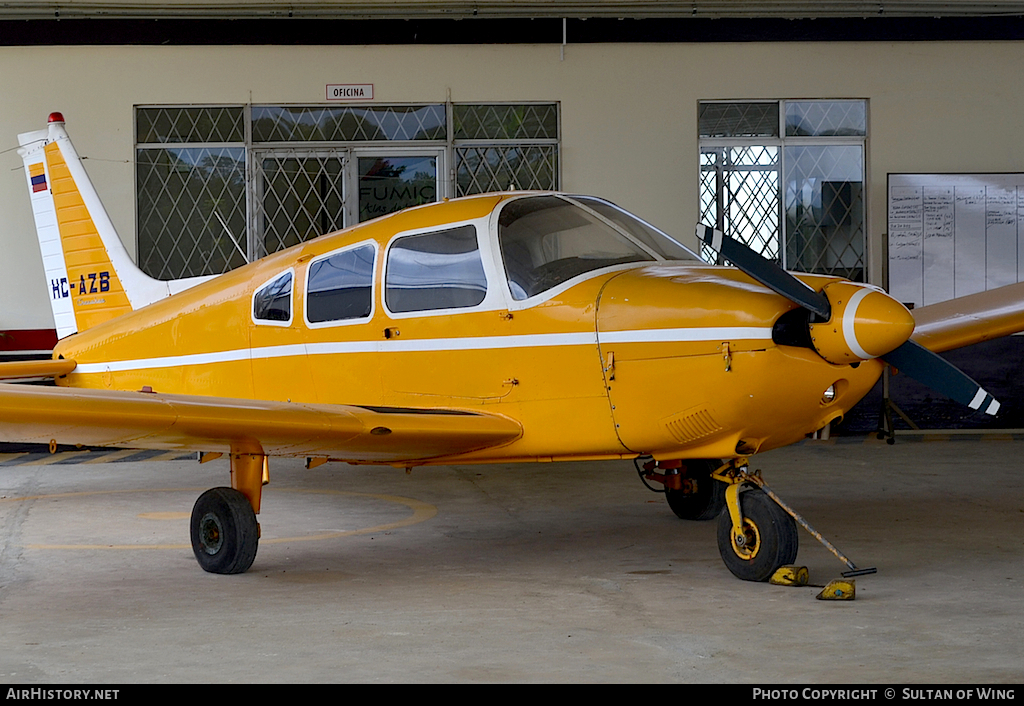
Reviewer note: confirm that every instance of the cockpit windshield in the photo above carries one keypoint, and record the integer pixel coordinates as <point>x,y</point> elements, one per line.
<point>657,240</point>
<point>547,240</point>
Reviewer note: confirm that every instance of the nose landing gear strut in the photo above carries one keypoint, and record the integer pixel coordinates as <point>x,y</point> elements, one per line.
<point>757,531</point>
<point>758,535</point>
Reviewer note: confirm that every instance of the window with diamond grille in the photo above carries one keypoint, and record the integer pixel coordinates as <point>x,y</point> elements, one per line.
<point>787,179</point>
<point>191,210</point>
<point>300,195</point>
<point>506,168</point>
<point>347,123</point>
<point>826,118</point>
<point>191,124</point>
<point>825,209</point>
<point>505,122</point>
<point>505,147</point>
<point>219,186</point>
<point>738,119</point>
<point>740,195</point>
<point>190,190</point>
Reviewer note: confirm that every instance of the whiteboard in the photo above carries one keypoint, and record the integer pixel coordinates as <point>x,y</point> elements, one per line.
<point>954,234</point>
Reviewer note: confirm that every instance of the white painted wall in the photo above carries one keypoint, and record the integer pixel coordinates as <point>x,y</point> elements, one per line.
<point>629,112</point>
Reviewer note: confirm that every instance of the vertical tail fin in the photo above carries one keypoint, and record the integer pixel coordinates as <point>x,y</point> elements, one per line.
<point>90,276</point>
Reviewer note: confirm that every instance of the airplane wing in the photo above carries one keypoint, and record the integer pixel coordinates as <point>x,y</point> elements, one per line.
<point>35,414</point>
<point>971,319</point>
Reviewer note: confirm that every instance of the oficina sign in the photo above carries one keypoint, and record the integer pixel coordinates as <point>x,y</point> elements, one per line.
<point>350,91</point>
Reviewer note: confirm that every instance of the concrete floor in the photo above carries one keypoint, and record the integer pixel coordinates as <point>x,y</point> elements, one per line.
<point>532,573</point>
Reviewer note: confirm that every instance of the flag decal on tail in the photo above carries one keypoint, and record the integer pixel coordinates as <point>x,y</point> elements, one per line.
<point>37,173</point>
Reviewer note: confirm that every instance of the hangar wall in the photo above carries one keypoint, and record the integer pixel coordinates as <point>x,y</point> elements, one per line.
<point>628,112</point>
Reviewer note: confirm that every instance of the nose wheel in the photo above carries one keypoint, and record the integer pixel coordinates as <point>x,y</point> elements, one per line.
<point>757,534</point>
<point>766,539</point>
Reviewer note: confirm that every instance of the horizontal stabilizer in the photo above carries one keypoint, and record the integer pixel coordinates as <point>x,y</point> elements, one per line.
<point>21,369</point>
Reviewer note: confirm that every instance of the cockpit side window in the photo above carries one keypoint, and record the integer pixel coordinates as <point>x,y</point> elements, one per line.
<point>546,240</point>
<point>272,303</point>
<point>340,286</point>
<point>440,270</point>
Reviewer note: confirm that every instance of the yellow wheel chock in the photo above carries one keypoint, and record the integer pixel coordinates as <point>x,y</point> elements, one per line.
<point>790,576</point>
<point>838,590</point>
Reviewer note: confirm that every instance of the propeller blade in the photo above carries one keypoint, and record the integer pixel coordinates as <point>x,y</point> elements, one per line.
<point>765,271</point>
<point>936,372</point>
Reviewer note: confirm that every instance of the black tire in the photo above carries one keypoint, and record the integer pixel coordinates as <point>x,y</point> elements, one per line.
<point>702,497</point>
<point>225,534</point>
<point>771,538</point>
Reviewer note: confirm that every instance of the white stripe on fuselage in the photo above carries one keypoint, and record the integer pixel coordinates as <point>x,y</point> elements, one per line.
<point>469,343</point>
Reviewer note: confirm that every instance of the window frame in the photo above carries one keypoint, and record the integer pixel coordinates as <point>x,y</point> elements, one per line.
<point>493,299</point>
<point>398,150</point>
<point>781,141</point>
<point>291,300</point>
<point>449,148</point>
<point>513,304</point>
<point>460,147</point>
<point>374,279</point>
<point>141,257</point>
<point>581,201</point>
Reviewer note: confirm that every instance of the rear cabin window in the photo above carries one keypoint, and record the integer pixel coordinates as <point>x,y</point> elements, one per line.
<point>340,287</point>
<point>441,270</point>
<point>272,303</point>
<point>546,240</point>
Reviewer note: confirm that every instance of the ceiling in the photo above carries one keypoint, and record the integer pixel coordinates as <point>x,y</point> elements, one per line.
<point>456,9</point>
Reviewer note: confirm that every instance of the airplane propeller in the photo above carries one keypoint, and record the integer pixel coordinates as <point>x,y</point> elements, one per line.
<point>766,272</point>
<point>857,322</point>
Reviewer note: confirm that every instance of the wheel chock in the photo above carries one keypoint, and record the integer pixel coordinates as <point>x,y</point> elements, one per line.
<point>789,576</point>
<point>838,590</point>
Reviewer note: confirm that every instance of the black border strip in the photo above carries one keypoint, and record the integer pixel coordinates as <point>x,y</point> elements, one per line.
<point>548,30</point>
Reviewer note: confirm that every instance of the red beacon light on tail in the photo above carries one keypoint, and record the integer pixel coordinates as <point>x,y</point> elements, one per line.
<point>55,118</point>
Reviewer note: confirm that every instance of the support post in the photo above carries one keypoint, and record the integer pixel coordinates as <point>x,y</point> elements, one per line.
<point>247,476</point>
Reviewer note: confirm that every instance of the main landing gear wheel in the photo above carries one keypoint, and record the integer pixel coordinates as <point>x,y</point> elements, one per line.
<point>702,497</point>
<point>225,533</point>
<point>769,538</point>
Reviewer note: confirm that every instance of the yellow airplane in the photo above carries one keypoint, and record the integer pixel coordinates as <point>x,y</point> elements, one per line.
<point>494,328</point>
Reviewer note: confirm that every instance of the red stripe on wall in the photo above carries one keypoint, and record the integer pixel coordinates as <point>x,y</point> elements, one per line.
<point>38,339</point>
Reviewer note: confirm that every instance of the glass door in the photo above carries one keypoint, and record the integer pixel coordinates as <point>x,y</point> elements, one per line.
<point>388,181</point>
